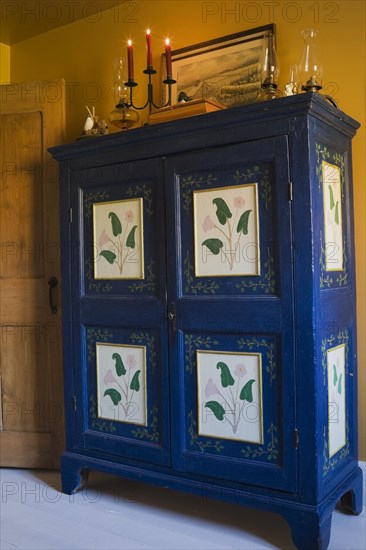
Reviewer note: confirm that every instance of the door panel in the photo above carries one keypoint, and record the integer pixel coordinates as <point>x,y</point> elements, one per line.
<point>30,348</point>
<point>231,344</point>
<point>119,312</point>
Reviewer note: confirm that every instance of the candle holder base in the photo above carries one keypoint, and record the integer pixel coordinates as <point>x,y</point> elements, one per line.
<point>150,101</point>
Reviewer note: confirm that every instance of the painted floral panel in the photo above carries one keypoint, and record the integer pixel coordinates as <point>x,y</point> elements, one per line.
<point>121,383</point>
<point>332,217</point>
<point>230,395</point>
<point>226,231</point>
<point>336,366</point>
<point>118,239</point>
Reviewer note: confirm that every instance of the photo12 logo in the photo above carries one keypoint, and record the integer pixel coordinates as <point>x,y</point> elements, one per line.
<point>254,12</point>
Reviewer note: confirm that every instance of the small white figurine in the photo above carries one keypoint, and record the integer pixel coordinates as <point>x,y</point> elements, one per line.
<point>93,126</point>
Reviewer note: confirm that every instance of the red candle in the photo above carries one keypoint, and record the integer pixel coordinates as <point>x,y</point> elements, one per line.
<point>130,60</point>
<point>168,58</point>
<point>149,49</point>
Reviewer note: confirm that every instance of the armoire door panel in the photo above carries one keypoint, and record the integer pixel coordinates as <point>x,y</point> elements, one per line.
<point>120,311</point>
<point>232,290</point>
<point>123,383</point>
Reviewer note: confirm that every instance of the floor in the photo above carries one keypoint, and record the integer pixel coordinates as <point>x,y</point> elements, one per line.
<point>111,513</point>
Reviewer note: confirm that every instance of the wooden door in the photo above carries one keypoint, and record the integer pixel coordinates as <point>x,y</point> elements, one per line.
<point>31,419</point>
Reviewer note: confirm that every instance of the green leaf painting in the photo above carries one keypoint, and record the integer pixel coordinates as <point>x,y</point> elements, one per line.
<point>331,197</point>
<point>214,245</point>
<point>119,240</point>
<point>108,255</point>
<point>336,214</point>
<point>230,227</point>
<point>123,377</point>
<point>339,389</point>
<point>227,387</point>
<point>114,395</point>
<point>243,223</point>
<point>130,242</point>
<point>226,378</point>
<point>116,224</point>
<point>217,409</point>
<point>135,384</point>
<point>223,212</point>
<point>119,366</point>
<point>246,393</point>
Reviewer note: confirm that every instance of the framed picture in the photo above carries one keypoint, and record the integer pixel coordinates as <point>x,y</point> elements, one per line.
<point>121,383</point>
<point>226,231</point>
<point>230,395</point>
<point>118,239</point>
<point>336,367</point>
<point>225,70</point>
<point>332,194</point>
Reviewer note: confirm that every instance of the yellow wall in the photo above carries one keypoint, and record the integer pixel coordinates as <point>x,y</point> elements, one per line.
<point>4,63</point>
<point>82,53</point>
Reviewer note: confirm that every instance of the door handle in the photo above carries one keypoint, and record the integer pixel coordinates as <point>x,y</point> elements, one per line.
<point>53,282</point>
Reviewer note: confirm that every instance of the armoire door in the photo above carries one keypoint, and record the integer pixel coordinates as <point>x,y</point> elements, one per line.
<point>231,303</point>
<point>115,284</point>
<point>31,401</point>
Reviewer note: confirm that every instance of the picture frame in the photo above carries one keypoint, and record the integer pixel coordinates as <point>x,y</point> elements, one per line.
<point>118,239</point>
<point>333,225</point>
<point>121,383</point>
<point>226,231</point>
<point>229,395</point>
<point>225,69</point>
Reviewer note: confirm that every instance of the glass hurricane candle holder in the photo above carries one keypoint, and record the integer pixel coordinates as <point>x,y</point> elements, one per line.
<point>122,116</point>
<point>310,71</point>
<point>270,70</point>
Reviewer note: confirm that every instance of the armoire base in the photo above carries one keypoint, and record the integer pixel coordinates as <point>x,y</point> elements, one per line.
<point>310,525</point>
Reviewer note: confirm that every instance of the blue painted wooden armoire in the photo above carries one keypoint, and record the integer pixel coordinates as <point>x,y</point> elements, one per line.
<point>209,325</point>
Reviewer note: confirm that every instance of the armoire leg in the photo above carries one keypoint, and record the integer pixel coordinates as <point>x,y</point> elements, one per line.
<point>351,501</point>
<point>73,480</point>
<point>309,531</point>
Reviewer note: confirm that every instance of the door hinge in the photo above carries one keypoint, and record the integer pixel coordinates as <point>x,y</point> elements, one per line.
<point>290,191</point>
<point>70,215</point>
<point>296,438</point>
<point>74,403</point>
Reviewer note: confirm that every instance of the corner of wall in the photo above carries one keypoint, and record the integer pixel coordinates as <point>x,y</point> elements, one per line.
<point>4,63</point>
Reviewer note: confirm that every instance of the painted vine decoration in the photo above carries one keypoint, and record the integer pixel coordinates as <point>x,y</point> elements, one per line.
<point>91,198</point>
<point>152,432</point>
<point>270,451</point>
<point>192,343</point>
<point>146,193</point>
<point>147,340</point>
<point>267,283</point>
<point>271,367</point>
<point>342,278</point>
<point>195,440</point>
<point>322,153</point>
<point>329,464</point>
<point>97,286</point>
<point>101,425</point>
<point>208,286</point>
<point>147,284</point>
<point>93,335</point>
<point>189,184</point>
<point>256,174</point>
